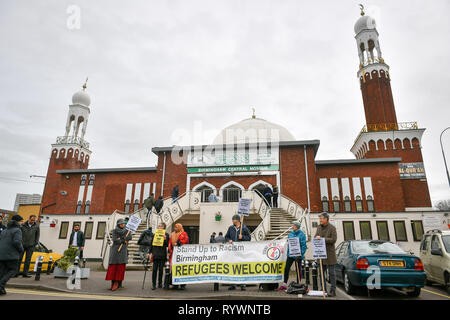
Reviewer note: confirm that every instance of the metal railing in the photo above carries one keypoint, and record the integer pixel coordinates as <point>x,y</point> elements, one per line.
<point>411,125</point>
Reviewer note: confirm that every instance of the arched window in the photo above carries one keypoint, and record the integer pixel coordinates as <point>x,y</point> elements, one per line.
<point>336,204</point>
<point>231,192</point>
<point>347,204</point>
<point>370,204</point>
<point>259,186</point>
<point>127,206</point>
<point>325,205</point>
<point>136,205</point>
<point>205,192</point>
<point>78,210</point>
<point>358,202</point>
<point>87,206</point>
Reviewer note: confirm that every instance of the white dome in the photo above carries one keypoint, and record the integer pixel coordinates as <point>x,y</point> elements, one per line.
<point>81,97</point>
<point>364,23</point>
<point>253,130</point>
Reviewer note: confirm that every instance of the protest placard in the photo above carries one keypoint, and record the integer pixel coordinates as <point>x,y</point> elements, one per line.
<point>158,238</point>
<point>294,247</point>
<point>319,248</point>
<point>244,207</point>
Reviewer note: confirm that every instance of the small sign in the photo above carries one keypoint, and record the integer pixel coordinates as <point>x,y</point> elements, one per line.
<point>294,247</point>
<point>319,248</point>
<point>133,223</point>
<point>412,170</point>
<point>432,221</point>
<point>244,207</point>
<point>158,238</point>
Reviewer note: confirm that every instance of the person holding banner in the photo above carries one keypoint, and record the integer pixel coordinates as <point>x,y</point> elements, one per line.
<point>177,238</point>
<point>237,232</point>
<point>118,255</point>
<point>158,249</point>
<point>295,253</point>
<point>328,231</point>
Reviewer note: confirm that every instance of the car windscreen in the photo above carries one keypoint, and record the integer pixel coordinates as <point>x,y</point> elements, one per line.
<point>446,241</point>
<point>371,247</point>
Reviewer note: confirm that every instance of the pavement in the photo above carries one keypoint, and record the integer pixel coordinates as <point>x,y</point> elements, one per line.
<point>96,287</point>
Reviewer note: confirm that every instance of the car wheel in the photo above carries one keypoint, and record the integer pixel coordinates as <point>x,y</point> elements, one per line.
<point>348,286</point>
<point>414,293</point>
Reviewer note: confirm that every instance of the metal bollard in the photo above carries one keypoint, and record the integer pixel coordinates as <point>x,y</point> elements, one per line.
<point>49,264</point>
<point>74,271</point>
<point>84,263</point>
<point>307,272</point>
<point>314,275</point>
<point>39,268</point>
<point>302,267</point>
<point>167,275</point>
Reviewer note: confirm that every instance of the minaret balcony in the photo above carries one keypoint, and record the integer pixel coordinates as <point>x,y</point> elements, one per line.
<point>72,140</point>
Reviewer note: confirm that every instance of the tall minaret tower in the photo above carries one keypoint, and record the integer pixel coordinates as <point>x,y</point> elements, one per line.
<point>383,136</point>
<point>70,151</point>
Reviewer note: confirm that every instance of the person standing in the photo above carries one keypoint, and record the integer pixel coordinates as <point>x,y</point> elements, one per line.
<point>234,234</point>
<point>213,198</point>
<point>275,193</point>
<point>178,238</point>
<point>220,238</point>
<point>118,255</point>
<point>11,249</point>
<point>145,241</point>
<point>328,232</point>
<point>212,239</point>
<point>267,193</point>
<point>295,233</point>
<point>2,226</point>
<point>30,238</point>
<point>149,203</point>
<point>175,193</point>
<point>159,254</point>
<point>77,239</point>
<point>159,204</point>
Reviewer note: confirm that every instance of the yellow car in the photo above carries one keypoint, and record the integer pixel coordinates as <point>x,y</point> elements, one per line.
<point>41,250</point>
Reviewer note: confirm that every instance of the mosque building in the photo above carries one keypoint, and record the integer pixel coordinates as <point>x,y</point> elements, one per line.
<point>381,194</point>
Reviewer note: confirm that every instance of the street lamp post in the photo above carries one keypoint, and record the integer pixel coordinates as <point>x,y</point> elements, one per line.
<point>443,155</point>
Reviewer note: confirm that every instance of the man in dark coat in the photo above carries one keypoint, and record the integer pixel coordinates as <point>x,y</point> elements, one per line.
<point>275,193</point>
<point>175,193</point>
<point>149,203</point>
<point>212,238</point>
<point>145,241</point>
<point>234,234</point>
<point>328,231</point>
<point>77,239</point>
<point>11,249</point>
<point>30,238</point>
<point>159,257</point>
<point>159,204</point>
<point>267,193</point>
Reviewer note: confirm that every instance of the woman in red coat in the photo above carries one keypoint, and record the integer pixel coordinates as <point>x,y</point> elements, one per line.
<point>177,238</point>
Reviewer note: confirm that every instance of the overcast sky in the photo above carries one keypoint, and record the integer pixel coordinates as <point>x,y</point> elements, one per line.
<point>161,67</point>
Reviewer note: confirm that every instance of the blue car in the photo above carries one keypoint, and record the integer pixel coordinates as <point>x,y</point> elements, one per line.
<point>376,264</point>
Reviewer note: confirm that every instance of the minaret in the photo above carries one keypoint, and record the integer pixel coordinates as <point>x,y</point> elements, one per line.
<point>383,136</point>
<point>374,77</point>
<point>70,151</point>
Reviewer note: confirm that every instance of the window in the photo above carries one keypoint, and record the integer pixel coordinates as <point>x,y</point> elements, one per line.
<point>83,179</point>
<point>370,204</point>
<point>325,205</point>
<point>400,231</point>
<point>347,204</point>
<point>366,230</point>
<point>344,250</point>
<point>231,194</point>
<point>136,205</point>
<point>424,245</point>
<point>349,230</point>
<point>87,206</point>
<point>101,227</point>
<point>383,230</point>
<point>88,228</point>
<point>336,204</point>
<point>78,210</point>
<point>127,206</point>
<point>64,229</point>
<point>359,205</point>
<point>339,248</point>
<point>435,243</point>
<point>205,192</point>
<point>417,229</point>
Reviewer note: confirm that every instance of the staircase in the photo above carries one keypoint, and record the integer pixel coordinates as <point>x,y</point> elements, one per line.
<point>134,259</point>
<point>280,221</point>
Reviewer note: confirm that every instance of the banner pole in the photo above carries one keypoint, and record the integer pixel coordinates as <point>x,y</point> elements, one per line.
<point>242,225</point>
<point>121,245</point>
<point>297,269</point>
<point>321,275</point>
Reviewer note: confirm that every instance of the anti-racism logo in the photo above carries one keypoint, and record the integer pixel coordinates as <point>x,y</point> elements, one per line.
<point>273,250</point>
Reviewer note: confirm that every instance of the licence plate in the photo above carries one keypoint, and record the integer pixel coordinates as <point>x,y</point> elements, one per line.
<point>392,263</point>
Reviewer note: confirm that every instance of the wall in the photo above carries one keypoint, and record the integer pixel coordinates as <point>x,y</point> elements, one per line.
<point>26,210</point>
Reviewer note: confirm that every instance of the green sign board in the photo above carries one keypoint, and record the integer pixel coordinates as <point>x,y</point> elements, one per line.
<point>233,169</point>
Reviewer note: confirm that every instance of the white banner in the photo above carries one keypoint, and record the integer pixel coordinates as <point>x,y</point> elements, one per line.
<point>240,262</point>
<point>319,248</point>
<point>133,223</point>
